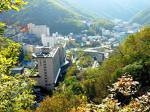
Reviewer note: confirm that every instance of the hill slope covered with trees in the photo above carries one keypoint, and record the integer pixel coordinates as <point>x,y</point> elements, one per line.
<point>58,15</point>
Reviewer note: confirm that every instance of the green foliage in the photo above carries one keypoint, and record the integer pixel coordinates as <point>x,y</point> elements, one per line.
<point>85,61</point>
<point>59,16</point>
<point>2,26</point>
<point>71,71</point>
<point>103,23</point>
<point>98,24</point>
<point>9,53</point>
<point>60,103</point>
<point>136,54</point>
<point>54,104</point>
<point>56,15</point>
<point>125,88</point>
<point>16,94</point>
<point>27,57</point>
<point>6,5</point>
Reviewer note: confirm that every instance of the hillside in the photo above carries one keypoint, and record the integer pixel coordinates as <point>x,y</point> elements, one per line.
<point>121,9</point>
<point>58,15</point>
<point>142,17</point>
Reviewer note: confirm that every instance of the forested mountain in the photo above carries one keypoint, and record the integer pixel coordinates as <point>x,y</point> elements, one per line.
<point>65,16</point>
<point>143,17</point>
<point>122,9</point>
<point>57,14</point>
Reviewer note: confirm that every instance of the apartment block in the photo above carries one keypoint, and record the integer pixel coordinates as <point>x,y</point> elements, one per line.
<point>49,62</point>
<point>48,41</point>
<point>38,30</point>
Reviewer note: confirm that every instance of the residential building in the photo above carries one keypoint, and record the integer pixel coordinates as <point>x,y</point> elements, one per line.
<point>38,30</point>
<point>48,41</point>
<point>49,62</point>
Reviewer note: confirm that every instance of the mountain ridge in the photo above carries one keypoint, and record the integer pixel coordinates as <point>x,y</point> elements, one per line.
<point>121,9</point>
<point>143,17</point>
<point>52,13</point>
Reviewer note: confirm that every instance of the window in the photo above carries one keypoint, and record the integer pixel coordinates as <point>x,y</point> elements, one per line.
<point>48,44</point>
<point>45,67</point>
<point>40,62</point>
<point>44,61</point>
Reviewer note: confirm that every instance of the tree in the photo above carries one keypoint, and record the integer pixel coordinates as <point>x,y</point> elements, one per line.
<point>124,87</point>
<point>60,103</point>
<point>9,55</point>
<point>15,93</point>
<point>6,5</point>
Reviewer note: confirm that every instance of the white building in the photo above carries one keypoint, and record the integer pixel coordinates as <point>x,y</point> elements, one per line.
<point>38,30</point>
<point>48,41</point>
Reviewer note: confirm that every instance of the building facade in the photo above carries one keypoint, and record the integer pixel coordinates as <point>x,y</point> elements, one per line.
<point>49,62</point>
<point>38,30</point>
<point>48,41</point>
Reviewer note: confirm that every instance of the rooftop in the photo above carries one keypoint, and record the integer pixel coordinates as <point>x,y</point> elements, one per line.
<point>46,52</point>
